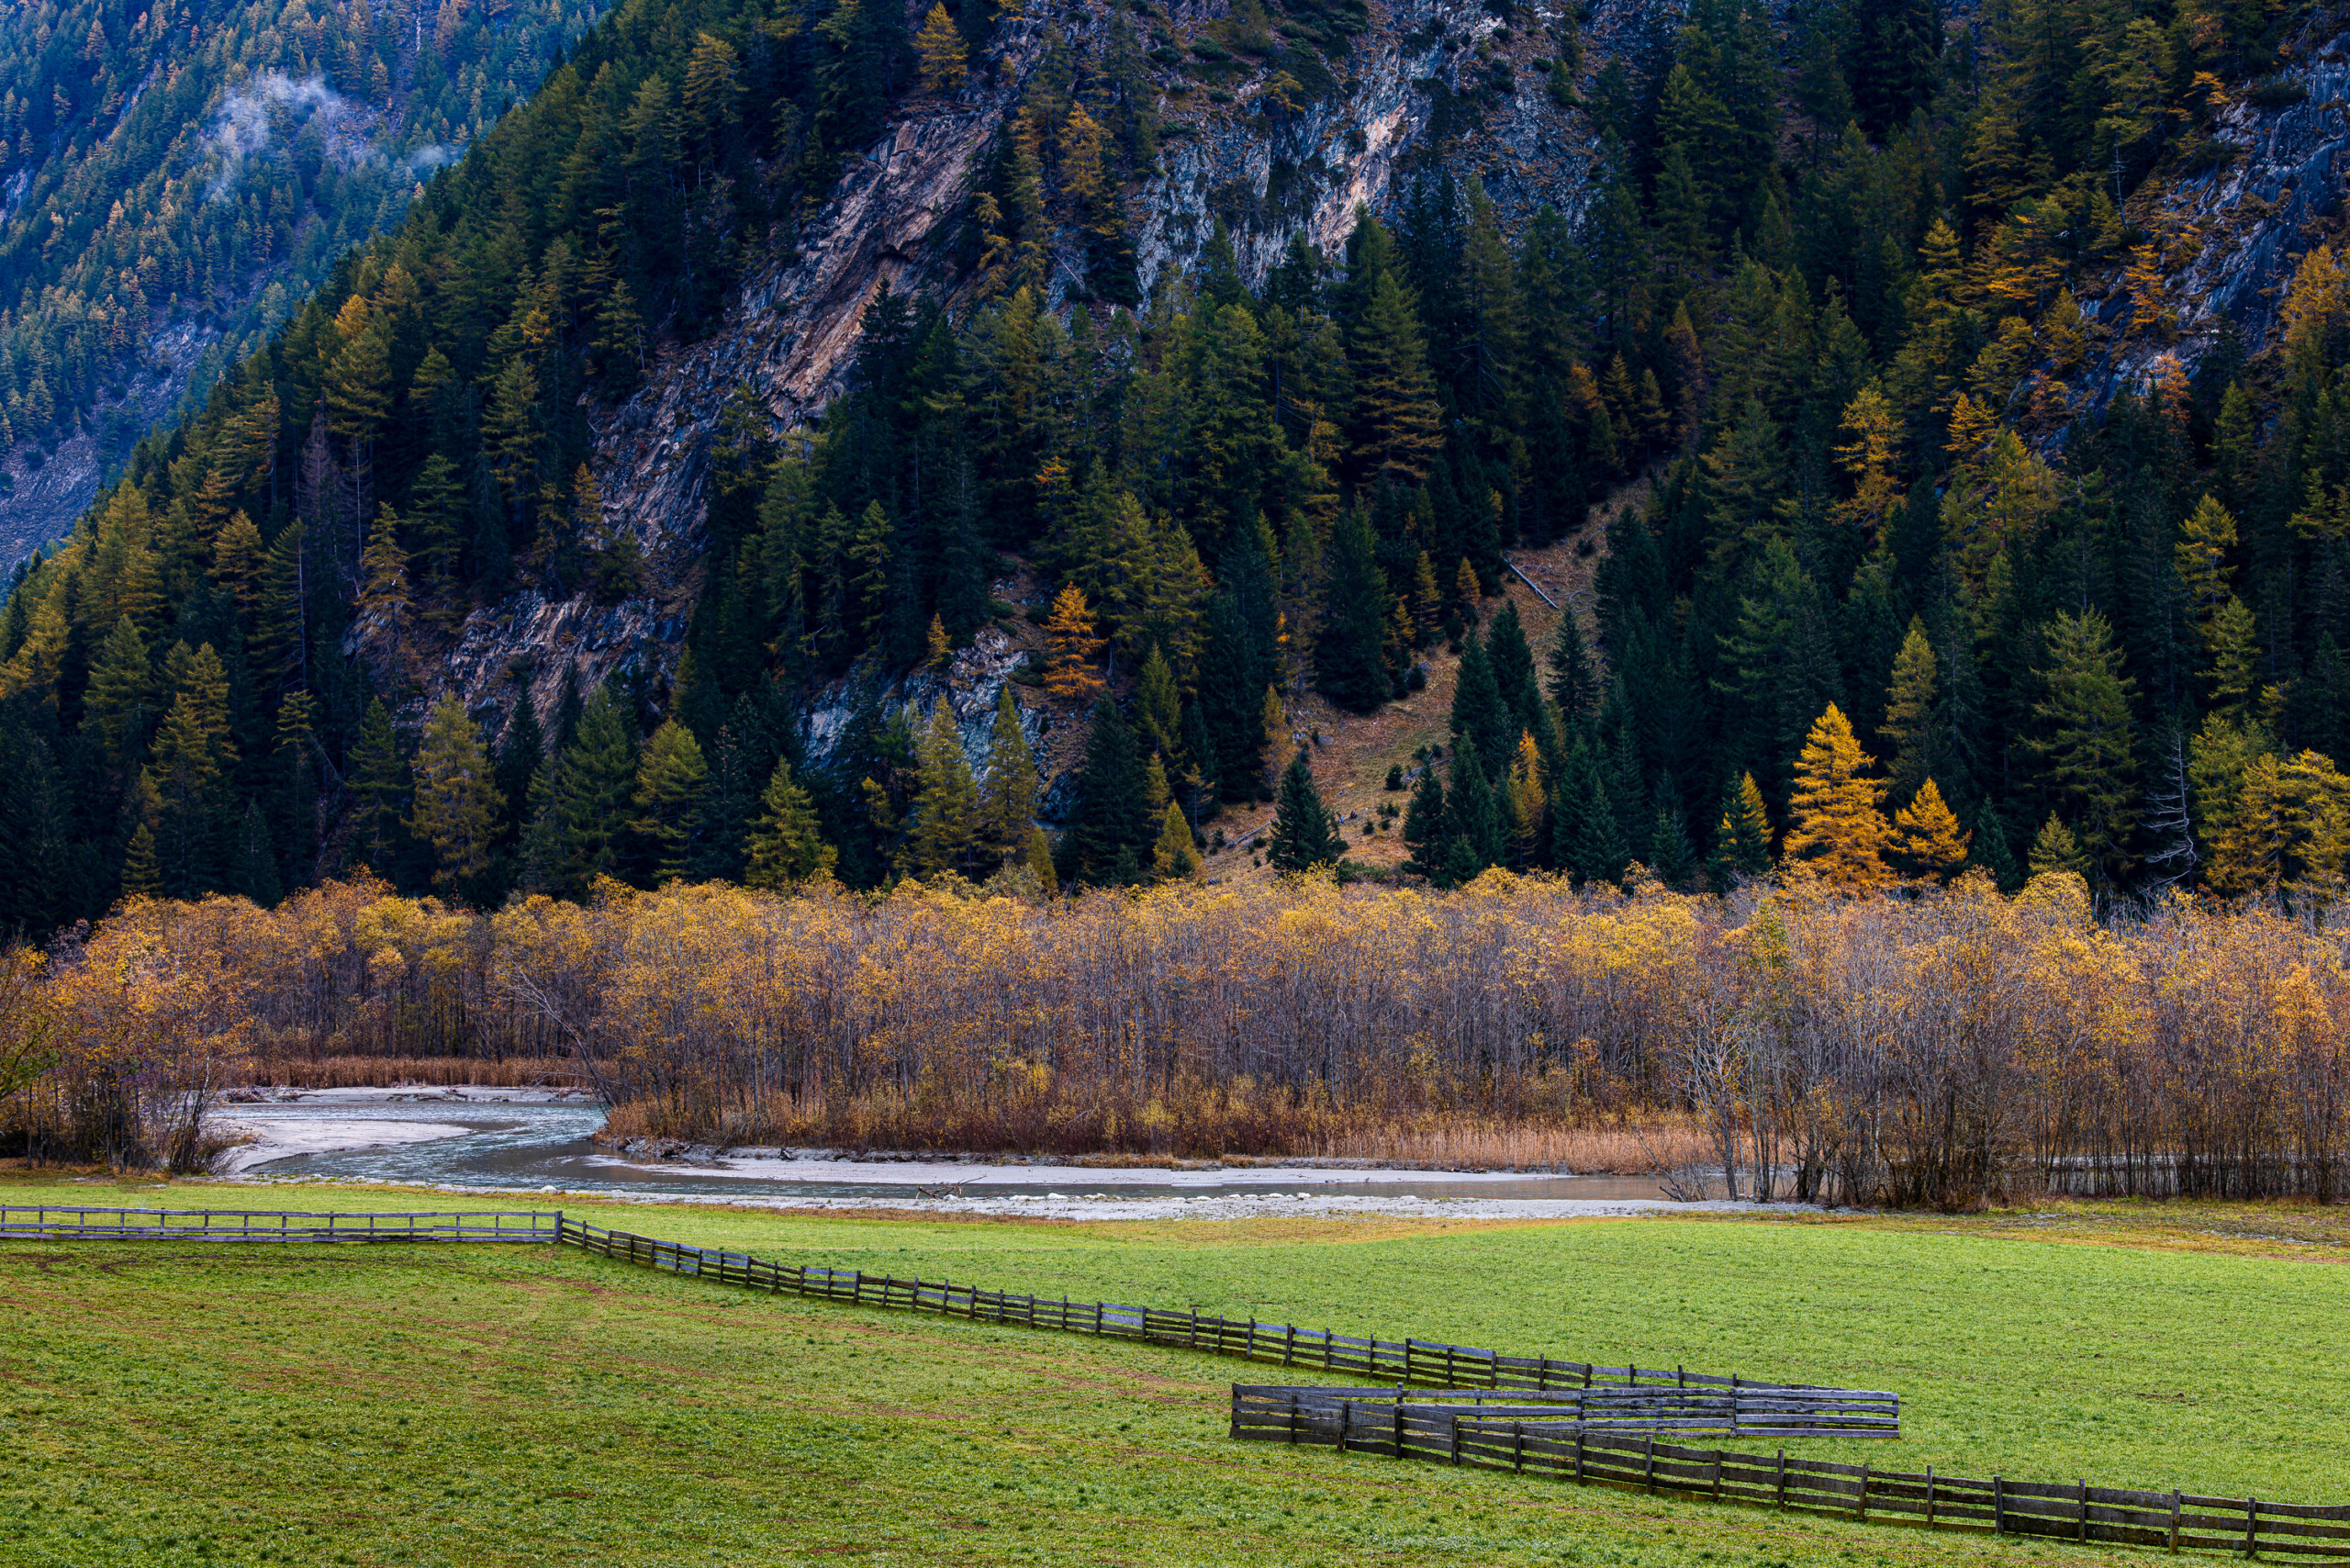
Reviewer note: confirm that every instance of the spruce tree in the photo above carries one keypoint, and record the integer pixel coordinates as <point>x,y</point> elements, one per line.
<point>592,790</point>
<point>1742,837</point>
<point>1481,721</point>
<point>1574,685</point>
<point>2086,743</point>
<point>1513,663</point>
<point>1989,851</point>
<point>1007,804</point>
<point>455,812</point>
<point>1111,819</point>
<point>672,781</point>
<point>1587,839</point>
<point>378,780</point>
<point>1348,662</point>
<point>252,859</point>
<point>1304,835</point>
<point>947,827</point>
<point>1423,827</point>
<point>1913,726</point>
<point>521,750</point>
<point>1473,817</point>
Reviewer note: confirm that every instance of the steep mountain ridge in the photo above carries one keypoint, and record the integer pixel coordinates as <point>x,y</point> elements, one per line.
<point>896,218</point>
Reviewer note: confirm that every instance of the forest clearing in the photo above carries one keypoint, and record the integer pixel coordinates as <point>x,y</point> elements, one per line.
<point>525,1405</point>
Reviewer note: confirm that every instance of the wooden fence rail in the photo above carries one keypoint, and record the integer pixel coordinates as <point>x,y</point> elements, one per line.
<point>1799,1407</point>
<point>59,1223</point>
<point>1465,1427</point>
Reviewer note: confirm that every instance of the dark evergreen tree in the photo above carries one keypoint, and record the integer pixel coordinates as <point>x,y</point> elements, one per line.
<point>1349,651</point>
<point>1113,818</point>
<point>1304,835</point>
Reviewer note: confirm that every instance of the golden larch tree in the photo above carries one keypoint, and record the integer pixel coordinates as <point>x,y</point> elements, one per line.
<point>1068,669</point>
<point>1931,839</point>
<point>1836,830</point>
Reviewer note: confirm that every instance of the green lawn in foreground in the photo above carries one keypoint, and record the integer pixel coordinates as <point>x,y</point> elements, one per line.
<point>470,1406</point>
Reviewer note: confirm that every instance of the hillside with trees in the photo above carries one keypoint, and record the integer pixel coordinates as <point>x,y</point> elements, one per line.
<point>1929,573</point>
<point>178,179</point>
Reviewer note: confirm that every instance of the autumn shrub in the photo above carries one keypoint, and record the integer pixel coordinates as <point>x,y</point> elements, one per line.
<point>1920,1045</point>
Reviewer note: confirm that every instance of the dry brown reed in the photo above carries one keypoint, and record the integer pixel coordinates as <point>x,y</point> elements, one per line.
<point>402,1072</point>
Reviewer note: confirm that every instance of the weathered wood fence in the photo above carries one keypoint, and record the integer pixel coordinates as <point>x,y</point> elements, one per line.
<point>1840,1412</point>
<point>1590,1446</point>
<point>56,1223</point>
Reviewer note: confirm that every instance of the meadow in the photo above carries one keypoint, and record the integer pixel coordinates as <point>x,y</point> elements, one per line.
<point>440,1404</point>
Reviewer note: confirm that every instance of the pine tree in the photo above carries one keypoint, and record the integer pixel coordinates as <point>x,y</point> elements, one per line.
<point>1423,827</point>
<point>1008,799</point>
<point>1159,707</point>
<point>1931,839</point>
<point>1834,828</point>
<point>1480,720</point>
<point>379,784</point>
<point>1513,666</point>
<point>946,825</point>
<point>1473,817</point>
<point>1175,857</point>
<point>1742,836</point>
<point>1304,835</point>
<point>787,846</point>
<point>1349,665</point>
<point>521,750</point>
<point>1912,725</point>
<point>1574,685</point>
<point>1397,423</point>
<point>120,697</point>
<point>1069,670</point>
<point>672,780</point>
<point>2085,740</point>
<point>142,874</point>
<point>1112,820</point>
<point>592,790</point>
<point>457,799</point>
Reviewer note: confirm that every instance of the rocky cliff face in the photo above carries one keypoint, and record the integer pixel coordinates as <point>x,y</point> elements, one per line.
<point>893,218</point>
<point>2235,233</point>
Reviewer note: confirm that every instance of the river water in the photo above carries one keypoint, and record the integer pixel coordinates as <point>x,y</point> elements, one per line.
<point>488,1140</point>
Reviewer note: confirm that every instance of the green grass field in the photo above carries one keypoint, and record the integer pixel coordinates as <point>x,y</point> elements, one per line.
<point>188,1403</point>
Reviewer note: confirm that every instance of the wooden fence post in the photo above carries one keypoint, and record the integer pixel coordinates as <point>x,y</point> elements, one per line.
<point>2176,1499</point>
<point>1517,1447</point>
<point>1781,1498</point>
<point>1998,1506</point>
<point>2081,1526</point>
<point>1647,1463</point>
<point>1862,1511</point>
<point>1399,1420</point>
<point>2252,1526</point>
<point>1929,1496</point>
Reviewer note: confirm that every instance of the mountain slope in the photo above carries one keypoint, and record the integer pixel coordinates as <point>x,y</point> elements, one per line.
<point>178,178</point>
<point>1226,356</point>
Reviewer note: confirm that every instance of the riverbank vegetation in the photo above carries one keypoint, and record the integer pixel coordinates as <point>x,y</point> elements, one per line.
<point>1940,1046</point>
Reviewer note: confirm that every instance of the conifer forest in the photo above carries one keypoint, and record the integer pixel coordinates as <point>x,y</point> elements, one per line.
<point>1919,767</point>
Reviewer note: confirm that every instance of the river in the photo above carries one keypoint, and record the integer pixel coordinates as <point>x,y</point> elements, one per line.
<point>521,1140</point>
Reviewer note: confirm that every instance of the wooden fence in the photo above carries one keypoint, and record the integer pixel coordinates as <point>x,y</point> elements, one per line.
<point>1840,1412</point>
<point>52,1223</point>
<point>1540,1438</point>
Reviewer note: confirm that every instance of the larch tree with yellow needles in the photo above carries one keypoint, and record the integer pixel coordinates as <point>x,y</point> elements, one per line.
<point>1836,833</point>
